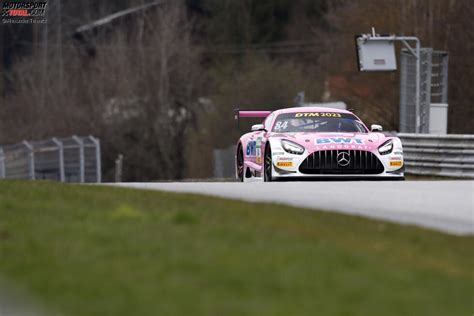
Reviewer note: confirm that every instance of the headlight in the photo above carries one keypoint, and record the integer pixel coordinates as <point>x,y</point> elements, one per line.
<point>386,148</point>
<point>292,148</point>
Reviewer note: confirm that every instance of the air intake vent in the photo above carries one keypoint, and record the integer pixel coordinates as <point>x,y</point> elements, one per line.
<point>341,162</point>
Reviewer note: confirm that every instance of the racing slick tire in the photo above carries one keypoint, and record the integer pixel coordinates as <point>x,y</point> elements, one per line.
<point>267,165</point>
<point>240,164</point>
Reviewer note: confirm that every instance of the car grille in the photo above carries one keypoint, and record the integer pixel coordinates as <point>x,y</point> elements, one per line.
<point>326,162</point>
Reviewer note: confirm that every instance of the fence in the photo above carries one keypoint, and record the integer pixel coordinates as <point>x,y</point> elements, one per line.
<point>442,155</point>
<point>433,87</point>
<point>74,159</point>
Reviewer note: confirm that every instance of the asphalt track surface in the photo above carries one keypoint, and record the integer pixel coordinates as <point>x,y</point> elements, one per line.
<point>446,206</point>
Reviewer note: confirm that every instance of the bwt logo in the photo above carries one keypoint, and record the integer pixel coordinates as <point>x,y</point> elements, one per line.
<point>339,140</point>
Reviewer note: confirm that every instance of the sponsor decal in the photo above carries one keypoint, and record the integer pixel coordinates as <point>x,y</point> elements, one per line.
<point>285,159</point>
<point>359,147</point>
<point>395,163</point>
<point>318,114</point>
<point>254,149</point>
<point>258,150</point>
<point>395,158</point>
<point>251,148</point>
<point>284,163</point>
<point>338,140</point>
<point>24,12</point>
<point>278,153</point>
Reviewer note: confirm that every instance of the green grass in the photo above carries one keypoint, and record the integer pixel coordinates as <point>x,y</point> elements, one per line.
<point>91,250</point>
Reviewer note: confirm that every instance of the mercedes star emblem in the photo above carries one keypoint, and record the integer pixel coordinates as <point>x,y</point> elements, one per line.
<point>343,159</point>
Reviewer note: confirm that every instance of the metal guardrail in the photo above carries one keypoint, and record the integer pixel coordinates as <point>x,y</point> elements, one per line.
<point>442,155</point>
<point>74,159</point>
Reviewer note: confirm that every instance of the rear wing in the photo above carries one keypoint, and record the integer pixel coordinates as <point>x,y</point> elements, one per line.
<point>238,114</point>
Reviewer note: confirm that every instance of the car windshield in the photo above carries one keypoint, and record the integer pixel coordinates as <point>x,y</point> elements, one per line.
<point>319,122</point>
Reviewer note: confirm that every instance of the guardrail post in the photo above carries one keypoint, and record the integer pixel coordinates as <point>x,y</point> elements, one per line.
<point>31,159</point>
<point>2,164</point>
<point>58,143</point>
<point>98,163</point>
<point>81,158</point>
<point>118,168</point>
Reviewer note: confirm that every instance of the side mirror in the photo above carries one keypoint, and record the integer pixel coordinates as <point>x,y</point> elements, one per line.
<point>258,127</point>
<point>375,128</point>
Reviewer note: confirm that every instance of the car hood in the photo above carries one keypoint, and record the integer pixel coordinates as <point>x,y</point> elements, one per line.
<point>325,141</point>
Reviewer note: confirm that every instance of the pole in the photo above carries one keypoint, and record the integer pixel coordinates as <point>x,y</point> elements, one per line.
<point>98,164</point>
<point>2,164</point>
<point>81,158</point>
<point>31,160</point>
<point>418,85</point>
<point>119,168</point>
<point>58,143</point>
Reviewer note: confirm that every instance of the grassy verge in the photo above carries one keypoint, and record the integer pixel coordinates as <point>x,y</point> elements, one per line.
<point>87,250</point>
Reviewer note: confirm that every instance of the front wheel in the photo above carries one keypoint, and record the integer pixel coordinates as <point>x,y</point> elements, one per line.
<point>267,165</point>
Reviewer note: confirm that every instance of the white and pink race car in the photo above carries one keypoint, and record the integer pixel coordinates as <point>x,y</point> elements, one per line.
<point>315,142</point>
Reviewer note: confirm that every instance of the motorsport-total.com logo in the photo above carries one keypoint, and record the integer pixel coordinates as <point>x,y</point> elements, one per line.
<point>16,12</point>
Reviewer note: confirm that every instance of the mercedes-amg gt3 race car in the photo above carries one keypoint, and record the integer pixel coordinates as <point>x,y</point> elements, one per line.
<point>316,142</point>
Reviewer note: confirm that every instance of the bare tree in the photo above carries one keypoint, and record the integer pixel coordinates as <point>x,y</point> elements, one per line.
<point>138,93</point>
